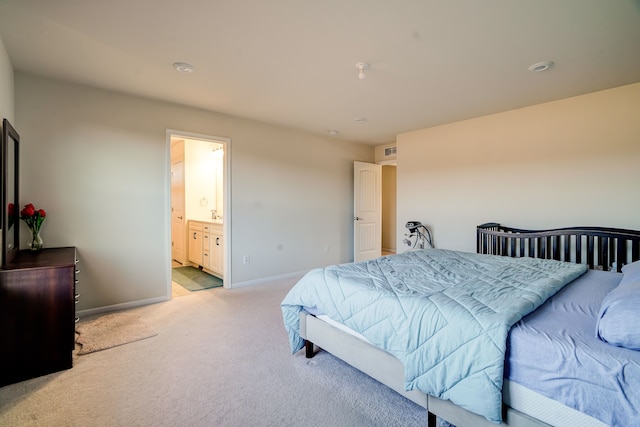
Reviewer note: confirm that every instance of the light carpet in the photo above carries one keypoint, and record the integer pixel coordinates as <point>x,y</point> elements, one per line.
<point>221,358</point>
<point>111,330</point>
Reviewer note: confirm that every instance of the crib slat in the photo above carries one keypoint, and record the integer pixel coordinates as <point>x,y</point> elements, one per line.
<point>603,257</point>
<point>554,247</point>
<point>532,247</point>
<point>621,254</point>
<point>590,251</point>
<point>578,249</point>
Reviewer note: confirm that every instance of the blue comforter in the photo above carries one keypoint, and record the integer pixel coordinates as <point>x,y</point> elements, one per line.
<point>444,314</point>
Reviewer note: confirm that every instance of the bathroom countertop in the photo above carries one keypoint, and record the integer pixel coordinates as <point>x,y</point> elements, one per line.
<point>210,222</point>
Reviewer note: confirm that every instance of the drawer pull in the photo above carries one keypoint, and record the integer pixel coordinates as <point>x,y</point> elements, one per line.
<point>77,271</point>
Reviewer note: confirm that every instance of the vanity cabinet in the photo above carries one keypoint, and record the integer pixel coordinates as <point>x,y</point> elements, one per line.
<point>196,242</point>
<point>216,252</point>
<point>37,314</point>
<point>206,246</point>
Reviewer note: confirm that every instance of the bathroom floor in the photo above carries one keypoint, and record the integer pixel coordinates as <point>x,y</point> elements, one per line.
<point>177,290</point>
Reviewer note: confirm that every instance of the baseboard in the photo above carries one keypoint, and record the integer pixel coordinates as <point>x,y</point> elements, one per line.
<point>140,303</point>
<point>268,279</point>
<point>122,306</point>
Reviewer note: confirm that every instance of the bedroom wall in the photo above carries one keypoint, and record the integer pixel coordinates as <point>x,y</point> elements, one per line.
<point>569,162</point>
<point>98,162</point>
<point>6,86</point>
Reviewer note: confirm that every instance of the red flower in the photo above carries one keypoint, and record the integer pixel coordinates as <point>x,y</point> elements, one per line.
<point>28,210</point>
<point>33,217</point>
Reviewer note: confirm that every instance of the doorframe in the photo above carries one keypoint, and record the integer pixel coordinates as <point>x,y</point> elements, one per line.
<point>226,198</point>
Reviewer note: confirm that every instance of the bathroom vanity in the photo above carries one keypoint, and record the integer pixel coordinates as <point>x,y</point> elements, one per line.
<point>206,247</point>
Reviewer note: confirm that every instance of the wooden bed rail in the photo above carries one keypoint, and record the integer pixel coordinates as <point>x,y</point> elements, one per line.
<point>600,248</point>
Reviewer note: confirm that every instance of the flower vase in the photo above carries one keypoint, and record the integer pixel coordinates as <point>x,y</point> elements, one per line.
<point>36,241</point>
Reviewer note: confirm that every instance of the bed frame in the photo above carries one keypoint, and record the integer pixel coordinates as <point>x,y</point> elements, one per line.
<point>607,249</point>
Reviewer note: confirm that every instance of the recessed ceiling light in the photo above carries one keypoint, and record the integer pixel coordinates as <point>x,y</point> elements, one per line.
<point>183,67</point>
<point>540,66</point>
<point>334,133</point>
<point>360,119</point>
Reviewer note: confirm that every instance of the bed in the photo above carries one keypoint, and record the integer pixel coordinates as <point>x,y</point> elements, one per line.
<point>533,386</point>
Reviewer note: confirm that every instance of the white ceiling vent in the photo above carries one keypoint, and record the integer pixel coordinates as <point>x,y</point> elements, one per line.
<point>390,151</point>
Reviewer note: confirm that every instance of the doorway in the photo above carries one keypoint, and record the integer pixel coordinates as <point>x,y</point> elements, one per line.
<point>389,209</point>
<point>200,197</point>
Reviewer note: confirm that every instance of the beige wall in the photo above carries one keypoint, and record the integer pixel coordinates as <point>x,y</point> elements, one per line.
<point>98,162</point>
<point>6,87</point>
<point>569,162</point>
<point>6,90</point>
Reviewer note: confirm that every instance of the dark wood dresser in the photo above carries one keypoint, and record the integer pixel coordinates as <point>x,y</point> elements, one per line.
<point>37,314</point>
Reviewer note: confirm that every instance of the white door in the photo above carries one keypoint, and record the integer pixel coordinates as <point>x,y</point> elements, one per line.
<point>177,212</point>
<point>367,211</point>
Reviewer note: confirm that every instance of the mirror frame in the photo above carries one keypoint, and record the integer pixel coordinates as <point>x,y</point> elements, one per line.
<point>10,136</point>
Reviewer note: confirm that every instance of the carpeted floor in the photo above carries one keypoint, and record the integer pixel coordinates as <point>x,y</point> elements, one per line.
<point>111,330</point>
<point>221,358</point>
<point>194,279</point>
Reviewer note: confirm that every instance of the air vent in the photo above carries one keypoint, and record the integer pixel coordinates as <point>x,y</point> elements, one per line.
<point>390,151</point>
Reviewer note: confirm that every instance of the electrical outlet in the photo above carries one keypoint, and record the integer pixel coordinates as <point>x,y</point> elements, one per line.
<point>326,249</point>
<point>246,259</point>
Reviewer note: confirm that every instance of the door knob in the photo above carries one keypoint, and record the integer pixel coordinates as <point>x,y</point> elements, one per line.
<point>356,218</point>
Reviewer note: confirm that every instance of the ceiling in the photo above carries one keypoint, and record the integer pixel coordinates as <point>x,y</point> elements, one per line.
<point>293,62</point>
